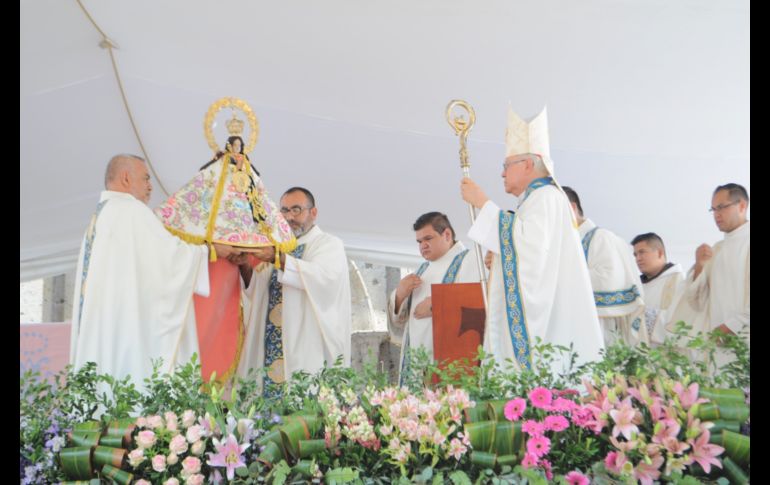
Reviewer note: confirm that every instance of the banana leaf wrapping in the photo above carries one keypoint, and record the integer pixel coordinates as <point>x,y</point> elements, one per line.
<point>725,410</point>
<point>104,455</point>
<point>292,440</point>
<point>111,441</point>
<point>304,468</point>
<point>77,462</point>
<point>272,453</point>
<point>83,438</point>
<point>713,394</point>
<point>121,477</point>
<point>476,414</point>
<point>721,424</point>
<point>737,447</point>
<point>483,459</point>
<point>292,432</point>
<point>88,426</point>
<point>308,448</point>
<point>495,443</point>
<point>481,434</point>
<point>734,473</point>
<point>495,410</point>
<point>122,428</point>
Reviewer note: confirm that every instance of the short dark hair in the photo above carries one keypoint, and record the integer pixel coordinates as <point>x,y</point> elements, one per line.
<point>736,192</point>
<point>304,191</point>
<point>650,238</point>
<point>573,197</point>
<point>438,221</point>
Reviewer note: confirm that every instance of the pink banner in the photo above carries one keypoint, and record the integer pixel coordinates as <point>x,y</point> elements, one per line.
<point>44,347</point>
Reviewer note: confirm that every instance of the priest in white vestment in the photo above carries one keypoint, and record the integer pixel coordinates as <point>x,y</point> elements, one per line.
<point>718,285</point>
<point>539,284</point>
<point>410,317</point>
<point>135,282</point>
<point>662,282</point>
<point>614,279</point>
<point>298,317</point>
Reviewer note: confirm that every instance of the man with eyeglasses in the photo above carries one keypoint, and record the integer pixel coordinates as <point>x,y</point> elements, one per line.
<point>299,316</point>
<point>410,308</point>
<point>539,284</point>
<point>614,279</point>
<point>718,284</point>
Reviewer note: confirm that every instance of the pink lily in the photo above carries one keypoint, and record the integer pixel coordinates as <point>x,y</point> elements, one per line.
<point>688,397</point>
<point>623,418</point>
<point>229,455</point>
<point>705,453</point>
<point>646,473</point>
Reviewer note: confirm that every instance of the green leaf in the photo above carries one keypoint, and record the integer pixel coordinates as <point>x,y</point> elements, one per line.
<point>340,475</point>
<point>242,471</point>
<point>459,478</point>
<point>279,473</point>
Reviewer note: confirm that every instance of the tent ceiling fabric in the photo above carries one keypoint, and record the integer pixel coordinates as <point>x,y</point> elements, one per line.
<point>648,102</point>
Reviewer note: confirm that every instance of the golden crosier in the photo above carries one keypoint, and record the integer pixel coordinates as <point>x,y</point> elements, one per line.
<point>461,126</point>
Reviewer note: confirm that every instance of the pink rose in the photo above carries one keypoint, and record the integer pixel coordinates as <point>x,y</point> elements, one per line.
<point>141,422</point>
<point>142,482</point>
<point>194,433</point>
<point>190,466</point>
<point>159,463</point>
<point>136,457</point>
<point>171,421</point>
<point>198,448</point>
<point>145,439</point>
<point>178,444</point>
<point>188,418</point>
<point>171,481</point>
<point>172,459</point>
<point>154,422</point>
<point>196,479</point>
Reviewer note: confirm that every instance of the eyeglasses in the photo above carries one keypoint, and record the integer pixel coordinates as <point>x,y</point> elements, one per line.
<point>722,207</point>
<point>295,210</point>
<point>512,162</point>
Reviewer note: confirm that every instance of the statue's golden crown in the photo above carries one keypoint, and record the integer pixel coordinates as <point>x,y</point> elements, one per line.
<point>235,126</point>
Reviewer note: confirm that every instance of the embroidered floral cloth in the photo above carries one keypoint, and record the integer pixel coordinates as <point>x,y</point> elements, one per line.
<point>245,219</point>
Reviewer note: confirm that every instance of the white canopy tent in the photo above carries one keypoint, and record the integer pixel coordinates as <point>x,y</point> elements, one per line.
<point>648,104</point>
